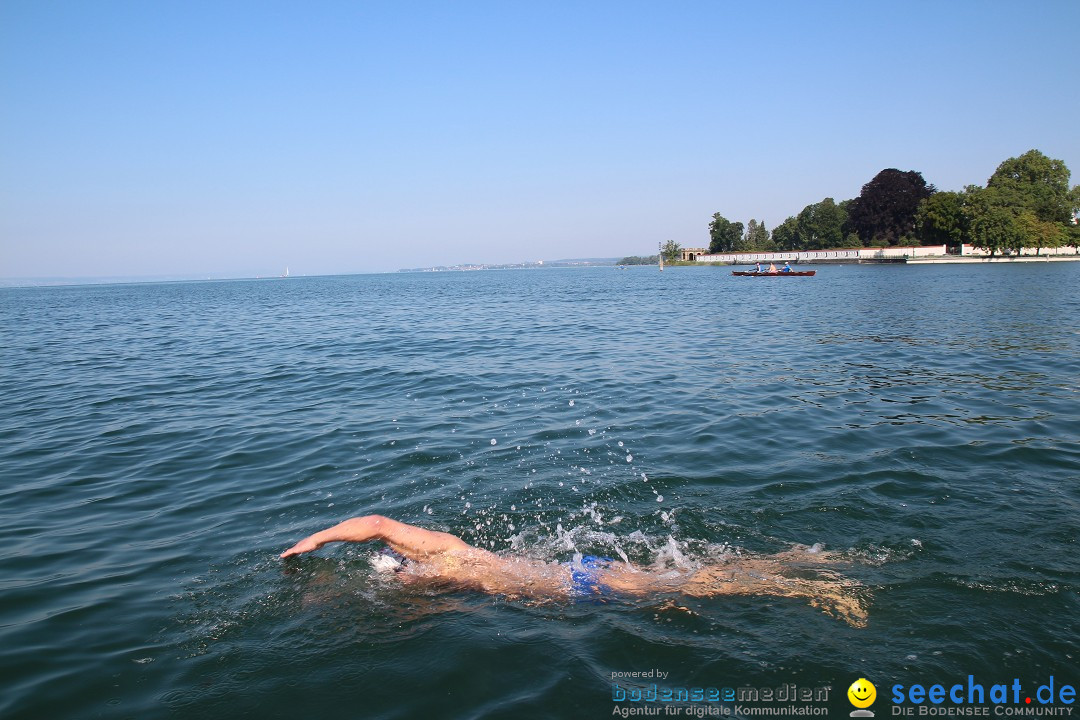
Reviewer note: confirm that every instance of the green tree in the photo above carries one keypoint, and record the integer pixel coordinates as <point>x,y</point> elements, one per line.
<point>821,225</point>
<point>940,219</point>
<point>1037,183</point>
<point>743,243</point>
<point>1072,235</point>
<point>724,235</point>
<point>670,250</point>
<point>847,229</point>
<point>1040,233</point>
<point>992,222</point>
<point>757,237</point>
<point>786,235</point>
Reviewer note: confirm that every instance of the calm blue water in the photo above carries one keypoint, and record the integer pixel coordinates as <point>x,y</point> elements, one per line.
<point>161,443</point>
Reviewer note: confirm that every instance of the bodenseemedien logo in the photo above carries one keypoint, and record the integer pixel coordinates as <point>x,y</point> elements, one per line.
<point>862,694</point>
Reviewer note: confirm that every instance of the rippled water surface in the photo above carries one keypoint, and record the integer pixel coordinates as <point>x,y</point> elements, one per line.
<point>160,444</point>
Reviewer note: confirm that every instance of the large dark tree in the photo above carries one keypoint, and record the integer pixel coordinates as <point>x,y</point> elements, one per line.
<point>885,210</point>
<point>725,236</point>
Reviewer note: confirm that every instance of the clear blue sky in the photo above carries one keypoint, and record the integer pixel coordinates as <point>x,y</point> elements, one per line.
<point>238,138</point>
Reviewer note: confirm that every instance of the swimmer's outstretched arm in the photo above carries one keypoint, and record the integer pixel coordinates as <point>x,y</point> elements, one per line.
<point>412,542</point>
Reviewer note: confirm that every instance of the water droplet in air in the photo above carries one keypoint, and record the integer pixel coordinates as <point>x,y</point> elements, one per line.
<point>629,458</point>
<point>571,403</point>
<point>659,498</point>
<point>494,441</point>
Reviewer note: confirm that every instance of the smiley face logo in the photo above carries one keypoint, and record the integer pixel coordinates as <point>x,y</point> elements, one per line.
<point>862,693</point>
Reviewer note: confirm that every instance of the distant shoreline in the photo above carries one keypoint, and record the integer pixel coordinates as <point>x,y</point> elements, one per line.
<point>539,264</point>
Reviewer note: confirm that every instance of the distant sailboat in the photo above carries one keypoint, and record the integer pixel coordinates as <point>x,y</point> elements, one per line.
<point>286,274</point>
<point>661,256</point>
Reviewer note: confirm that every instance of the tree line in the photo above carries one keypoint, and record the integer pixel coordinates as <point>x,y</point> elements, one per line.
<point>641,260</point>
<point>1027,202</point>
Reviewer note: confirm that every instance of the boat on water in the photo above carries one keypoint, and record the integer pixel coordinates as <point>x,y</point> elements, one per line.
<point>793,273</point>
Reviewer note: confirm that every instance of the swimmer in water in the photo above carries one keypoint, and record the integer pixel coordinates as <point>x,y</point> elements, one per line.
<point>447,559</point>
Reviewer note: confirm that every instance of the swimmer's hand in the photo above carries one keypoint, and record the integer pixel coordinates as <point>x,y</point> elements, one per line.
<point>352,530</point>
<point>409,540</point>
<point>306,545</point>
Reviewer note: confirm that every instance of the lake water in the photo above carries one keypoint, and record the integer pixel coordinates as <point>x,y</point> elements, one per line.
<point>160,444</point>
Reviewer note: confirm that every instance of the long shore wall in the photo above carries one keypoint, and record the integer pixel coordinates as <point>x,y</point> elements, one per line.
<point>889,254</point>
<point>842,254</point>
<point>967,250</point>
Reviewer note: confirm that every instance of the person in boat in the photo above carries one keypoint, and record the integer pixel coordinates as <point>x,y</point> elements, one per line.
<point>786,268</point>
<point>439,559</point>
<point>757,267</point>
<point>772,267</point>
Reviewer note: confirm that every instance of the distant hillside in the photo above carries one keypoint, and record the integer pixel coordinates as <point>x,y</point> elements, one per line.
<point>584,261</point>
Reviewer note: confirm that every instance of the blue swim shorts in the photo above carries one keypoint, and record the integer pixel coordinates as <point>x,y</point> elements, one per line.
<point>584,577</point>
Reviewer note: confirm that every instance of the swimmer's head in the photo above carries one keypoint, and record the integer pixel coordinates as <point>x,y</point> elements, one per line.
<point>384,562</point>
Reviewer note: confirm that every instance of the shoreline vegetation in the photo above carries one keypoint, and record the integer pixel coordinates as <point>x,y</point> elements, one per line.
<point>1026,204</point>
<point>942,260</point>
